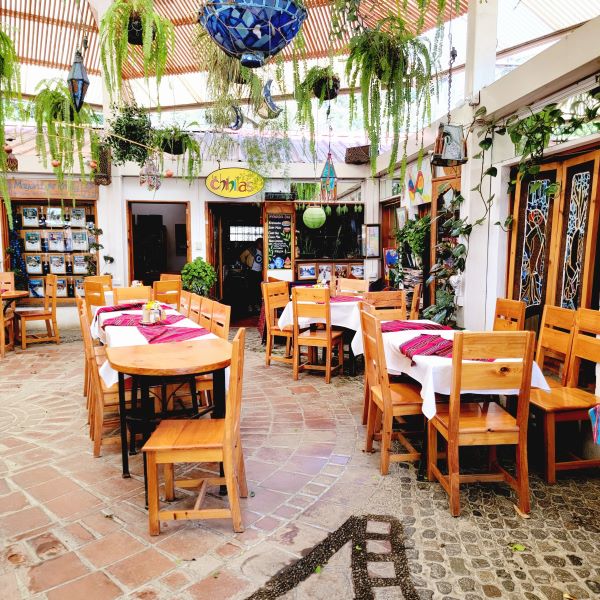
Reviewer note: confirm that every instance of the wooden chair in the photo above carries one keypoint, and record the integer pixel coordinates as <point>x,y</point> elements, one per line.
<point>94,296</point>
<point>484,423</point>
<point>185,300</point>
<point>167,292</point>
<point>105,280</point>
<point>7,329</point>
<point>170,276</point>
<point>201,441</point>
<point>314,303</point>
<point>206,311</point>
<point>195,304</point>
<point>341,286</point>
<point>276,295</point>
<point>221,316</point>
<point>47,314</point>
<point>387,401</point>
<point>570,403</point>
<point>7,281</point>
<point>554,341</point>
<point>509,315</point>
<point>415,305</point>
<point>386,306</point>
<point>124,295</point>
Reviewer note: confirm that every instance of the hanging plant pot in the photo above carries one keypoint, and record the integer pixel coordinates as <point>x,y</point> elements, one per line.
<point>135,31</point>
<point>326,88</point>
<point>174,145</point>
<point>252,30</point>
<point>314,217</point>
<point>450,149</point>
<point>102,175</point>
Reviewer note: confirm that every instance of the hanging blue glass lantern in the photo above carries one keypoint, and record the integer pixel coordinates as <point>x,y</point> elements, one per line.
<point>252,30</point>
<point>78,81</point>
<point>328,181</point>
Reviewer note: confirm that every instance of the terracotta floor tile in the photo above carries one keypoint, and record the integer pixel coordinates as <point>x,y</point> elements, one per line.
<point>175,580</point>
<point>110,549</point>
<point>141,568</point>
<point>73,503</point>
<point>264,501</point>
<point>31,477</point>
<point>51,573</point>
<point>305,464</point>
<point>323,450</point>
<point>77,535</point>
<point>25,520</point>
<point>46,546</point>
<point>101,523</point>
<point>12,502</point>
<point>4,487</point>
<point>222,585</point>
<point>268,524</point>
<point>190,544</point>
<point>282,481</point>
<point>53,489</point>
<point>10,587</point>
<point>96,586</point>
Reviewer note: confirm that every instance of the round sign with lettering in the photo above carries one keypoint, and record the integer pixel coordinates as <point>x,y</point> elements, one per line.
<point>234,182</point>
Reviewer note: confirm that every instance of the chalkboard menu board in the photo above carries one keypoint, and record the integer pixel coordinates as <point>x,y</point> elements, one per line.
<point>280,241</point>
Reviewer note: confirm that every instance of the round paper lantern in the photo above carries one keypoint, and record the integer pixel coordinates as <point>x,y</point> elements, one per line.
<point>314,217</point>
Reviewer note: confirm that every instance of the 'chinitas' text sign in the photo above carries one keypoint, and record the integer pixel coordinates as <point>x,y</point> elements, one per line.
<point>234,182</point>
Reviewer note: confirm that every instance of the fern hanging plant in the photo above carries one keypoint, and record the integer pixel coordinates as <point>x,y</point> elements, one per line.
<point>130,135</point>
<point>137,21</point>
<point>179,142</point>
<point>10,91</point>
<point>394,70</point>
<point>61,131</point>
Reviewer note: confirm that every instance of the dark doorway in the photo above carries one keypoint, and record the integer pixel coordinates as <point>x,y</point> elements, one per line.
<point>236,229</point>
<point>159,240</point>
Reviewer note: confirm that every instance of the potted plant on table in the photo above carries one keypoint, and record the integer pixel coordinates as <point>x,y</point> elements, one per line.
<point>128,23</point>
<point>198,277</point>
<point>394,70</point>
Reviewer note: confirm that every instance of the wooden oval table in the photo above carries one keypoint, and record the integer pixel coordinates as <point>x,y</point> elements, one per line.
<point>157,364</point>
<point>11,296</point>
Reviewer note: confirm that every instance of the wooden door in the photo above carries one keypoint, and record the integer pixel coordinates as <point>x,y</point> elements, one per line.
<point>553,245</point>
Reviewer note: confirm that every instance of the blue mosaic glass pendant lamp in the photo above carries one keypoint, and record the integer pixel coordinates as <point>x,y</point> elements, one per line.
<point>252,30</point>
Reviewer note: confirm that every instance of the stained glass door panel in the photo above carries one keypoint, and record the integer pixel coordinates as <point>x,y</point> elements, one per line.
<point>533,232</point>
<point>577,201</point>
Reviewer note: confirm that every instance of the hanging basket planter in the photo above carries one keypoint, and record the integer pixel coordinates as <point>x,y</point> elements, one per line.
<point>252,30</point>
<point>135,31</point>
<point>450,149</point>
<point>173,145</point>
<point>102,176</point>
<point>327,88</point>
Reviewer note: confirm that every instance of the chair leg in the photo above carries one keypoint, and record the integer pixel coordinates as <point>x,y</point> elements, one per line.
<point>522,471</point>
<point>232,491</point>
<point>269,348</point>
<point>86,377</point>
<point>432,453</point>
<point>152,482</point>
<point>23,334</point>
<point>2,339</point>
<point>169,469</point>
<point>56,332</point>
<point>49,331</point>
<point>386,443</point>
<point>288,347</point>
<point>341,355</point>
<point>550,446</point>
<point>296,362</point>
<point>371,418</point>
<point>365,414</point>
<point>98,420</point>
<point>453,477</point>
<point>328,365</point>
<point>241,470</point>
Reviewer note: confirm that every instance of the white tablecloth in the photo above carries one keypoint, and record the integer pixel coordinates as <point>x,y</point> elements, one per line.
<point>343,314</point>
<point>130,336</point>
<point>434,373</point>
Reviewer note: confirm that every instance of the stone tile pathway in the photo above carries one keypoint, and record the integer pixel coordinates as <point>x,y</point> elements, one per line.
<point>73,528</point>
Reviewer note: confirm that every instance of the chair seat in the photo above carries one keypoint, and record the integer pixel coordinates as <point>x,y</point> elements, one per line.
<point>563,399</point>
<point>187,435</point>
<point>287,330</point>
<point>34,314</point>
<point>319,335</point>
<point>403,395</point>
<point>478,418</point>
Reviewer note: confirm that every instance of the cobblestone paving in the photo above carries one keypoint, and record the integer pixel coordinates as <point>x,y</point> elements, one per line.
<point>73,528</point>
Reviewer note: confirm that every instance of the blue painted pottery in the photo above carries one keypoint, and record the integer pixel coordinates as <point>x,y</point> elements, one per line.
<point>252,30</point>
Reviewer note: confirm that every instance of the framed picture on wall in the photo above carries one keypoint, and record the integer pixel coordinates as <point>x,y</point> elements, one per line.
<point>61,288</point>
<point>54,217</point>
<point>33,241</point>
<point>341,270</point>
<point>325,270</point>
<point>307,271</point>
<point>30,217</point>
<point>33,264</point>
<point>390,260</point>
<point>36,288</point>
<point>78,217</point>
<point>357,270</point>
<point>401,216</point>
<point>370,241</point>
<point>57,264</point>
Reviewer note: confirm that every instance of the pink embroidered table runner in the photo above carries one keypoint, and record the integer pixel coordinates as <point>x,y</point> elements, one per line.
<point>345,299</point>
<point>431,345</point>
<point>127,320</point>
<point>130,306</point>
<point>390,326</point>
<point>161,334</point>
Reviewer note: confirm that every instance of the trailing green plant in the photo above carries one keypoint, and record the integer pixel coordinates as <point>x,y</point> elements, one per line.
<point>116,52</point>
<point>198,277</point>
<point>10,91</point>
<point>395,71</point>
<point>413,234</point>
<point>61,131</point>
<point>320,83</point>
<point>306,192</point>
<point>265,153</point>
<point>130,135</point>
<point>91,259</point>
<point>175,140</point>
